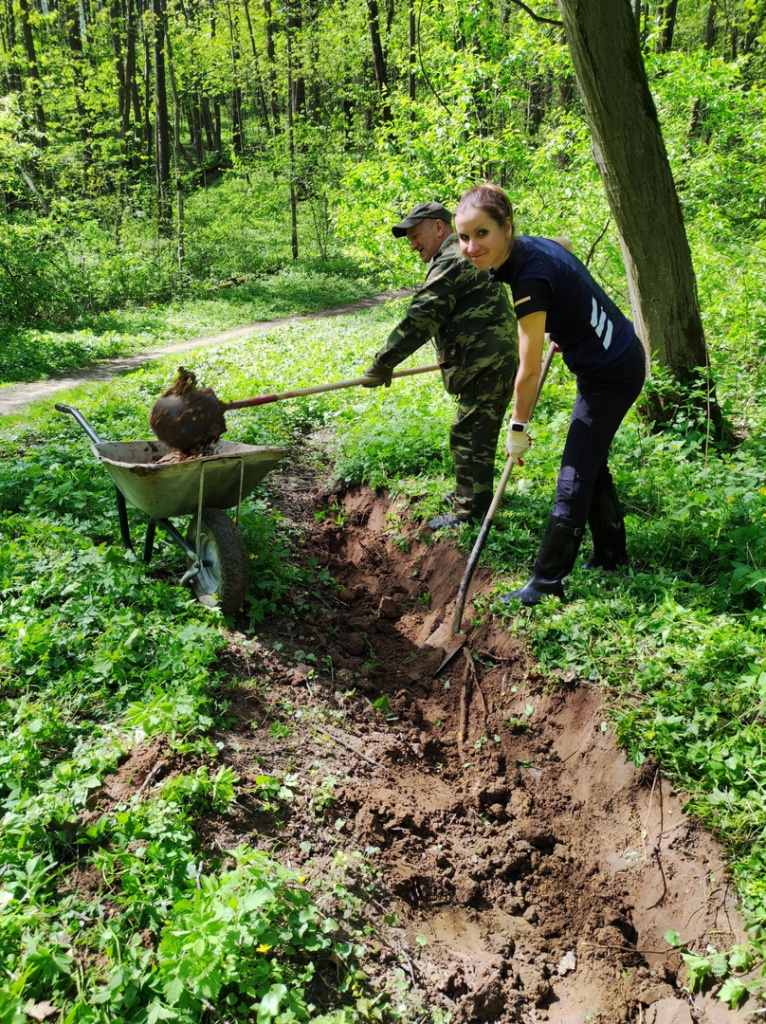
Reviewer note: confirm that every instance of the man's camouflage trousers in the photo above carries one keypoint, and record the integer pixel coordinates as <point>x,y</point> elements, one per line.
<point>473,443</point>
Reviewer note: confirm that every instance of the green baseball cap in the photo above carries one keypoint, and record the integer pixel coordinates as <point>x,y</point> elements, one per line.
<point>424,211</point>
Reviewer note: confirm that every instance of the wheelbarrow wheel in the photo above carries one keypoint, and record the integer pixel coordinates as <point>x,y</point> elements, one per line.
<point>222,582</point>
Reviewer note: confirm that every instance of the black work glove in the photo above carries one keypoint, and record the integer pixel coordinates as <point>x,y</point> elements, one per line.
<point>377,375</point>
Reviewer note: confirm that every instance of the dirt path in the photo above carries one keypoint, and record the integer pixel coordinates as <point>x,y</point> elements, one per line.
<point>15,397</point>
<point>513,866</point>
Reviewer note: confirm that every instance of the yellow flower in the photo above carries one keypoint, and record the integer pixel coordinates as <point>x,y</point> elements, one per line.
<point>301,879</point>
<point>762,491</point>
<point>263,948</point>
<point>730,498</point>
<point>650,735</point>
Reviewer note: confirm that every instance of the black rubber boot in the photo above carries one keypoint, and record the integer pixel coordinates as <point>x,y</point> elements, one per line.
<point>554,561</point>
<point>608,529</point>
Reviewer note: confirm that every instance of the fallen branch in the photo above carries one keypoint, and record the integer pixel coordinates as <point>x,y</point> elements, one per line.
<point>354,750</point>
<point>155,770</point>
<point>472,675</point>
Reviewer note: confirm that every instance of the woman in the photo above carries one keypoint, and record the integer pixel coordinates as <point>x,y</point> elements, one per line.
<point>554,293</point>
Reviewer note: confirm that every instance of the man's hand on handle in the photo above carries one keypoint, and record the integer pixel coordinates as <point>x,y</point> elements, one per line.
<point>378,375</point>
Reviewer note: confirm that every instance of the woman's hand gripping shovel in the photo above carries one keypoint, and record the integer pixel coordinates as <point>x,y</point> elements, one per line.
<point>449,637</point>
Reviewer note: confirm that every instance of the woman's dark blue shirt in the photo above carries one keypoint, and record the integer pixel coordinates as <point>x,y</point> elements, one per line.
<point>581,319</point>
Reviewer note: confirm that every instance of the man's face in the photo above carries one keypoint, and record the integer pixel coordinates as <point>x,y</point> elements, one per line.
<point>427,237</point>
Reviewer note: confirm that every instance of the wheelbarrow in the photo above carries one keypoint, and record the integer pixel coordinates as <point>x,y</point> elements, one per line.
<point>201,487</point>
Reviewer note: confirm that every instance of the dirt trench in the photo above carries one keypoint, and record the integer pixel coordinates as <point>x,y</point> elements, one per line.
<point>527,871</point>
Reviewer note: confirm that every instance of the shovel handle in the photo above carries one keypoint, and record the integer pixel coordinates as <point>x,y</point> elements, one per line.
<point>246,403</point>
<point>462,593</point>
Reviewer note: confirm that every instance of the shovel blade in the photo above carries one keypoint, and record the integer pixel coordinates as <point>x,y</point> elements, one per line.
<point>444,642</point>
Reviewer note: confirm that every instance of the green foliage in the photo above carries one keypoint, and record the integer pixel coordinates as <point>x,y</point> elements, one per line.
<point>701,970</point>
<point>74,296</point>
<point>246,938</point>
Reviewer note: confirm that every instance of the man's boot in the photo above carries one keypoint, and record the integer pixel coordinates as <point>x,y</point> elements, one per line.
<point>608,529</point>
<point>554,561</point>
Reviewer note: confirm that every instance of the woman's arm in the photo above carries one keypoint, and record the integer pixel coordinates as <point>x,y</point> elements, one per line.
<point>531,344</point>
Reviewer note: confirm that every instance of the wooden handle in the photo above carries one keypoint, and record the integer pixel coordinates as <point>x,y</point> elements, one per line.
<point>457,620</point>
<point>317,389</point>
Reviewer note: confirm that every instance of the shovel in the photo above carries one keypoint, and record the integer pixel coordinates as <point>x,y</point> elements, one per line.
<point>190,418</point>
<point>450,637</point>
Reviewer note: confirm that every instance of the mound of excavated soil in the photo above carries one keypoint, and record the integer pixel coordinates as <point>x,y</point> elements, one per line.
<point>527,871</point>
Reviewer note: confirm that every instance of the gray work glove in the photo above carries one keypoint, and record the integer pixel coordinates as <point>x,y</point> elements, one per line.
<point>377,374</point>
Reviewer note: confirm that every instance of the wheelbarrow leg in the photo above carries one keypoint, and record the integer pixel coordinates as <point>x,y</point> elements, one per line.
<point>151,530</point>
<point>122,513</point>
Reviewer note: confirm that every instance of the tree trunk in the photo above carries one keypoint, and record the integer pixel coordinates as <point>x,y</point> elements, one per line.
<point>291,151</point>
<point>412,51</point>
<point>667,24</point>
<point>710,26</point>
<point>33,72</point>
<point>123,100</point>
<point>630,154</point>
<point>257,69</point>
<point>180,219</point>
<point>194,117</point>
<point>294,31</point>
<point>71,13</point>
<point>378,56</point>
<point>237,127</point>
<point>162,123</point>
<point>133,98</point>
<point>272,68</point>
<point>146,82</point>
<point>11,80</point>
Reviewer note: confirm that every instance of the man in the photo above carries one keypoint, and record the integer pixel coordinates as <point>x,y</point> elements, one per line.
<point>471,323</point>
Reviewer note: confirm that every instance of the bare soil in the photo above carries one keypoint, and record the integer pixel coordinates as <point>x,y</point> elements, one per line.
<point>525,870</point>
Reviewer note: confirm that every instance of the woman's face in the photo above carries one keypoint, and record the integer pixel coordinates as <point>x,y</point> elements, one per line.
<point>482,240</point>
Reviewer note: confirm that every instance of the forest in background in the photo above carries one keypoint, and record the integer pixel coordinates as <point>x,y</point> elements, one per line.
<point>169,163</point>
<point>144,145</point>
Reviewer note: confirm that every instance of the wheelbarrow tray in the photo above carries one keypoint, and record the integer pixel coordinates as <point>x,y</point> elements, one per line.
<point>166,489</point>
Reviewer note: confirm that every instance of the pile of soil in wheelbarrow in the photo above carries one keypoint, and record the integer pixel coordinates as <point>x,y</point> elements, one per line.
<point>510,864</point>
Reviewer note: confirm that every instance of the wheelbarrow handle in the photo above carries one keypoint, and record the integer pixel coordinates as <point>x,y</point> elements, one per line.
<point>69,410</point>
<point>245,403</point>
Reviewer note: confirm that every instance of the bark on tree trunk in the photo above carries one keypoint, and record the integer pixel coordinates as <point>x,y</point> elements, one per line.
<point>194,117</point>
<point>237,124</point>
<point>630,154</point>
